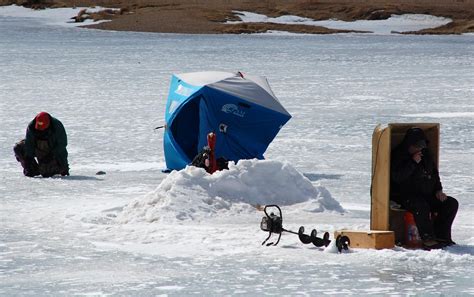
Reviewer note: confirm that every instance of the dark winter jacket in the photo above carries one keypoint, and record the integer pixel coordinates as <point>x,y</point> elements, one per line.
<point>56,138</point>
<point>410,179</point>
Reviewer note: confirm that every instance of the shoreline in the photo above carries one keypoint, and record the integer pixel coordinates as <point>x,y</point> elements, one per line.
<point>210,17</point>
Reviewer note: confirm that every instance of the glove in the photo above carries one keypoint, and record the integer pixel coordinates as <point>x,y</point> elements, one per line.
<point>28,172</point>
<point>30,168</point>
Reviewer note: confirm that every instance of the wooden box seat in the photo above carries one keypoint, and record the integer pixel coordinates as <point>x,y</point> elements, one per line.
<point>384,139</point>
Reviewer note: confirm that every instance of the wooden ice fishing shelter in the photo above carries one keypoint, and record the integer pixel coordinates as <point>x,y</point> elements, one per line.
<point>384,139</point>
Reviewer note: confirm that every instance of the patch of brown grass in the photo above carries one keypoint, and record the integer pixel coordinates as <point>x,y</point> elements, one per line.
<point>265,27</point>
<point>454,27</point>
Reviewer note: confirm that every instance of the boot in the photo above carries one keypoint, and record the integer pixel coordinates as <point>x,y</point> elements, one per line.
<point>431,244</point>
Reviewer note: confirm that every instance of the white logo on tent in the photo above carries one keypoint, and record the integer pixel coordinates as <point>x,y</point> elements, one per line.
<point>183,91</point>
<point>233,109</point>
<point>173,105</point>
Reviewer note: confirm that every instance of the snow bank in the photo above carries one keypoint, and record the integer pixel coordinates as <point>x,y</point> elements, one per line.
<point>193,194</point>
<point>398,23</point>
<point>52,16</point>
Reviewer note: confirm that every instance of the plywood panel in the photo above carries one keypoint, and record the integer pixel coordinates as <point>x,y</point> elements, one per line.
<point>384,139</point>
<point>379,206</point>
<point>370,239</point>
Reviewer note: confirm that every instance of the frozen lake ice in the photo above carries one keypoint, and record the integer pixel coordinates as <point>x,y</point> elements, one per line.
<point>62,236</point>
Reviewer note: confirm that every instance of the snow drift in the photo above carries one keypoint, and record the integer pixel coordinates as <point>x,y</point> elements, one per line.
<point>52,16</point>
<point>193,194</point>
<point>396,23</point>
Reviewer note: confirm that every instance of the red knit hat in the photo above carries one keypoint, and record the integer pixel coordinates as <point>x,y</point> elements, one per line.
<point>42,121</point>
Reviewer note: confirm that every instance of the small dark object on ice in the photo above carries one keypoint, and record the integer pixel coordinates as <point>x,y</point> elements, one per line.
<point>342,243</point>
<point>100,172</point>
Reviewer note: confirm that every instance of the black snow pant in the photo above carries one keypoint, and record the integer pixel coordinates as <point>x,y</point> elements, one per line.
<point>433,217</point>
<point>47,165</point>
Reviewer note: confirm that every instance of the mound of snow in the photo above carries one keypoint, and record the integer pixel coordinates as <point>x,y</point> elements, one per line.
<point>193,194</point>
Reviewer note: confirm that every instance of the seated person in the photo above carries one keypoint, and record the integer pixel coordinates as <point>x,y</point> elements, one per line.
<point>46,140</point>
<point>415,184</point>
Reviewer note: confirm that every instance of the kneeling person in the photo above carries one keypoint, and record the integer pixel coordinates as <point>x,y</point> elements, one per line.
<point>46,141</point>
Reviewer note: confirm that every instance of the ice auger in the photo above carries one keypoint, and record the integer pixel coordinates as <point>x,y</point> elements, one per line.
<point>273,223</point>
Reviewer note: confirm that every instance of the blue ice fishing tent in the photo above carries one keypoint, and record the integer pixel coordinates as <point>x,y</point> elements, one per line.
<point>241,109</point>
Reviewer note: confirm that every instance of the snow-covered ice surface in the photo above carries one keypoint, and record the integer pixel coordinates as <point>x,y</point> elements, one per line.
<point>395,23</point>
<point>123,233</point>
